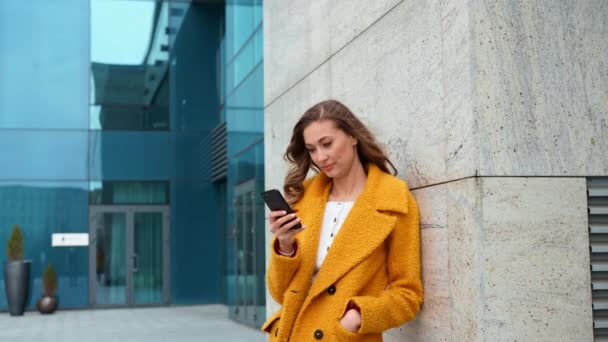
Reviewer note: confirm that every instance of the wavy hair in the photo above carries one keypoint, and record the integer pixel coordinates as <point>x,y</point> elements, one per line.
<point>368,148</point>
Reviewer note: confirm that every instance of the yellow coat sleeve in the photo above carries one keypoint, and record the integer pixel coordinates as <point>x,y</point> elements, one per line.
<point>401,301</point>
<point>281,271</point>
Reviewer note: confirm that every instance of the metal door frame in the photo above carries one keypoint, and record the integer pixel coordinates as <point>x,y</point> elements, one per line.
<point>242,189</point>
<point>129,211</point>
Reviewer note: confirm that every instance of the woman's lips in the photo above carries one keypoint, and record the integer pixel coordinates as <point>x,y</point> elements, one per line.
<point>329,167</point>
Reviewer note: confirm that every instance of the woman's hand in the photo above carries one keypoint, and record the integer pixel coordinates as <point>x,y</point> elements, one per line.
<point>351,320</point>
<point>280,225</point>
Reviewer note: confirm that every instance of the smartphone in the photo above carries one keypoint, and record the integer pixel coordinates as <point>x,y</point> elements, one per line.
<point>275,201</point>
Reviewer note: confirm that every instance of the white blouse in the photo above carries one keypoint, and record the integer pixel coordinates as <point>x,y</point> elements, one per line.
<point>333,218</point>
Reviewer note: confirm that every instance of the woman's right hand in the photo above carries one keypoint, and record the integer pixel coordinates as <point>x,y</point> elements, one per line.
<point>280,224</point>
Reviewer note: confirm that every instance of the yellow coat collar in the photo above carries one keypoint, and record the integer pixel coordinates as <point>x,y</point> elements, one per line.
<point>382,191</point>
<point>366,227</point>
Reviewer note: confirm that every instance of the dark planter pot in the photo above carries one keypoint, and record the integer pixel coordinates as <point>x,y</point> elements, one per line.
<point>47,304</point>
<point>17,285</point>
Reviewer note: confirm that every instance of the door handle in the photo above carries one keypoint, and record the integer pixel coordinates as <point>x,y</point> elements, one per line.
<point>135,262</point>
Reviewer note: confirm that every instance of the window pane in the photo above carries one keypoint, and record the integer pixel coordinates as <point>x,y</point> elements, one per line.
<point>129,63</point>
<point>130,117</point>
<point>110,258</point>
<point>195,77</point>
<point>245,265</point>
<point>245,127</point>
<point>108,192</point>
<point>43,64</point>
<point>41,209</point>
<point>243,63</point>
<point>43,155</point>
<point>250,92</point>
<point>258,12</point>
<point>240,25</point>
<point>259,45</point>
<point>148,246</point>
<point>129,155</point>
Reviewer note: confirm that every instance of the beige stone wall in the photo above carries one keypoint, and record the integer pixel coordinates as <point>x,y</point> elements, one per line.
<point>459,89</point>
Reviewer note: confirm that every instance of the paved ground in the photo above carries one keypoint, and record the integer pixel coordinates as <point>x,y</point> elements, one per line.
<point>175,324</point>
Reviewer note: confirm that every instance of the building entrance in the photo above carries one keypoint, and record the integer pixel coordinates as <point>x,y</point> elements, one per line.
<point>128,255</point>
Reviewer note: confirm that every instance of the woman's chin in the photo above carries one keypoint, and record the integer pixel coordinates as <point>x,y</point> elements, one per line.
<point>331,173</point>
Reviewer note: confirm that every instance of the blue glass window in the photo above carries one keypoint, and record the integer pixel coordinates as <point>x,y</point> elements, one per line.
<point>114,192</point>
<point>239,25</point>
<point>129,65</point>
<point>129,155</point>
<point>249,93</point>
<point>194,70</point>
<point>41,209</point>
<point>43,155</point>
<point>44,72</point>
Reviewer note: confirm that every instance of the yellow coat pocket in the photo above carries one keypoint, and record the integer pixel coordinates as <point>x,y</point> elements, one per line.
<point>271,326</point>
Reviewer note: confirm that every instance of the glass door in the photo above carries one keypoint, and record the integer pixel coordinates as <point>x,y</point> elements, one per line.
<point>129,252</point>
<point>147,258</point>
<point>248,277</point>
<point>109,244</point>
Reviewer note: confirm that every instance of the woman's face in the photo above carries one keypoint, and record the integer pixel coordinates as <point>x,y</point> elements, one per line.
<point>332,150</point>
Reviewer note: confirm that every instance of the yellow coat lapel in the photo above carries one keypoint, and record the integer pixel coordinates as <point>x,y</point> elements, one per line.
<point>368,224</point>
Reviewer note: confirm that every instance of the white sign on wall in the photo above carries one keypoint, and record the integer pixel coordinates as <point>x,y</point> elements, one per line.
<point>70,239</point>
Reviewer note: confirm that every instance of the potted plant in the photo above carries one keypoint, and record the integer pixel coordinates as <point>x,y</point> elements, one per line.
<point>47,304</point>
<point>16,274</point>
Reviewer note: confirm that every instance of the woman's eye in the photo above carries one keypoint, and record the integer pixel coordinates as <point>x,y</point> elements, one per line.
<point>327,144</point>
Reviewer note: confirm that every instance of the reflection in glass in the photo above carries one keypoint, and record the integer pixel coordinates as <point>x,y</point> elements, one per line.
<point>133,117</point>
<point>110,259</point>
<point>258,45</point>
<point>114,192</point>
<point>41,209</point>
<point>244,41</point>
<point>246,256</point>
<point>148,258</point>
<point>239,24</point>
<point>40,154</point>
<point>195,75</point>
<point>246,250</point>
<point>129,155</point>
<point>43,64</point>
<point>129,54</point>
<point>243,111</point>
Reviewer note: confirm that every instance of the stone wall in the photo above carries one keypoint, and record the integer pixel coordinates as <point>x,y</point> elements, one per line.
<point>493,112</point>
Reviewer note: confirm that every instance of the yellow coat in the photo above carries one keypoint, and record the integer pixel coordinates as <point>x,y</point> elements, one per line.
<point>374,261</point>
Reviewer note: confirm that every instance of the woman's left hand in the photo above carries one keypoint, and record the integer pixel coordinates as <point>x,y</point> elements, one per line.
<point>351,320</point>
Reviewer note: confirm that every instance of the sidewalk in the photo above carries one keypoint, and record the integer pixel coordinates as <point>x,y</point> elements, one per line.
<point>172,324</point>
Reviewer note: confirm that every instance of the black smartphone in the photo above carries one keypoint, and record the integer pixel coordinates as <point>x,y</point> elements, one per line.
<point>275,201</point>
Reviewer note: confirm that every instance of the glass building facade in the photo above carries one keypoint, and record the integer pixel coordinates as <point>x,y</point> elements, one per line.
<point>140,123</point>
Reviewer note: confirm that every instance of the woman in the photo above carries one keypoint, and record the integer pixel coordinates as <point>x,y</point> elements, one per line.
<point>353,270</point>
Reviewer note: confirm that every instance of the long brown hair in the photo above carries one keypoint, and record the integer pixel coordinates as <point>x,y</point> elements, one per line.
<point>368,149</point>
